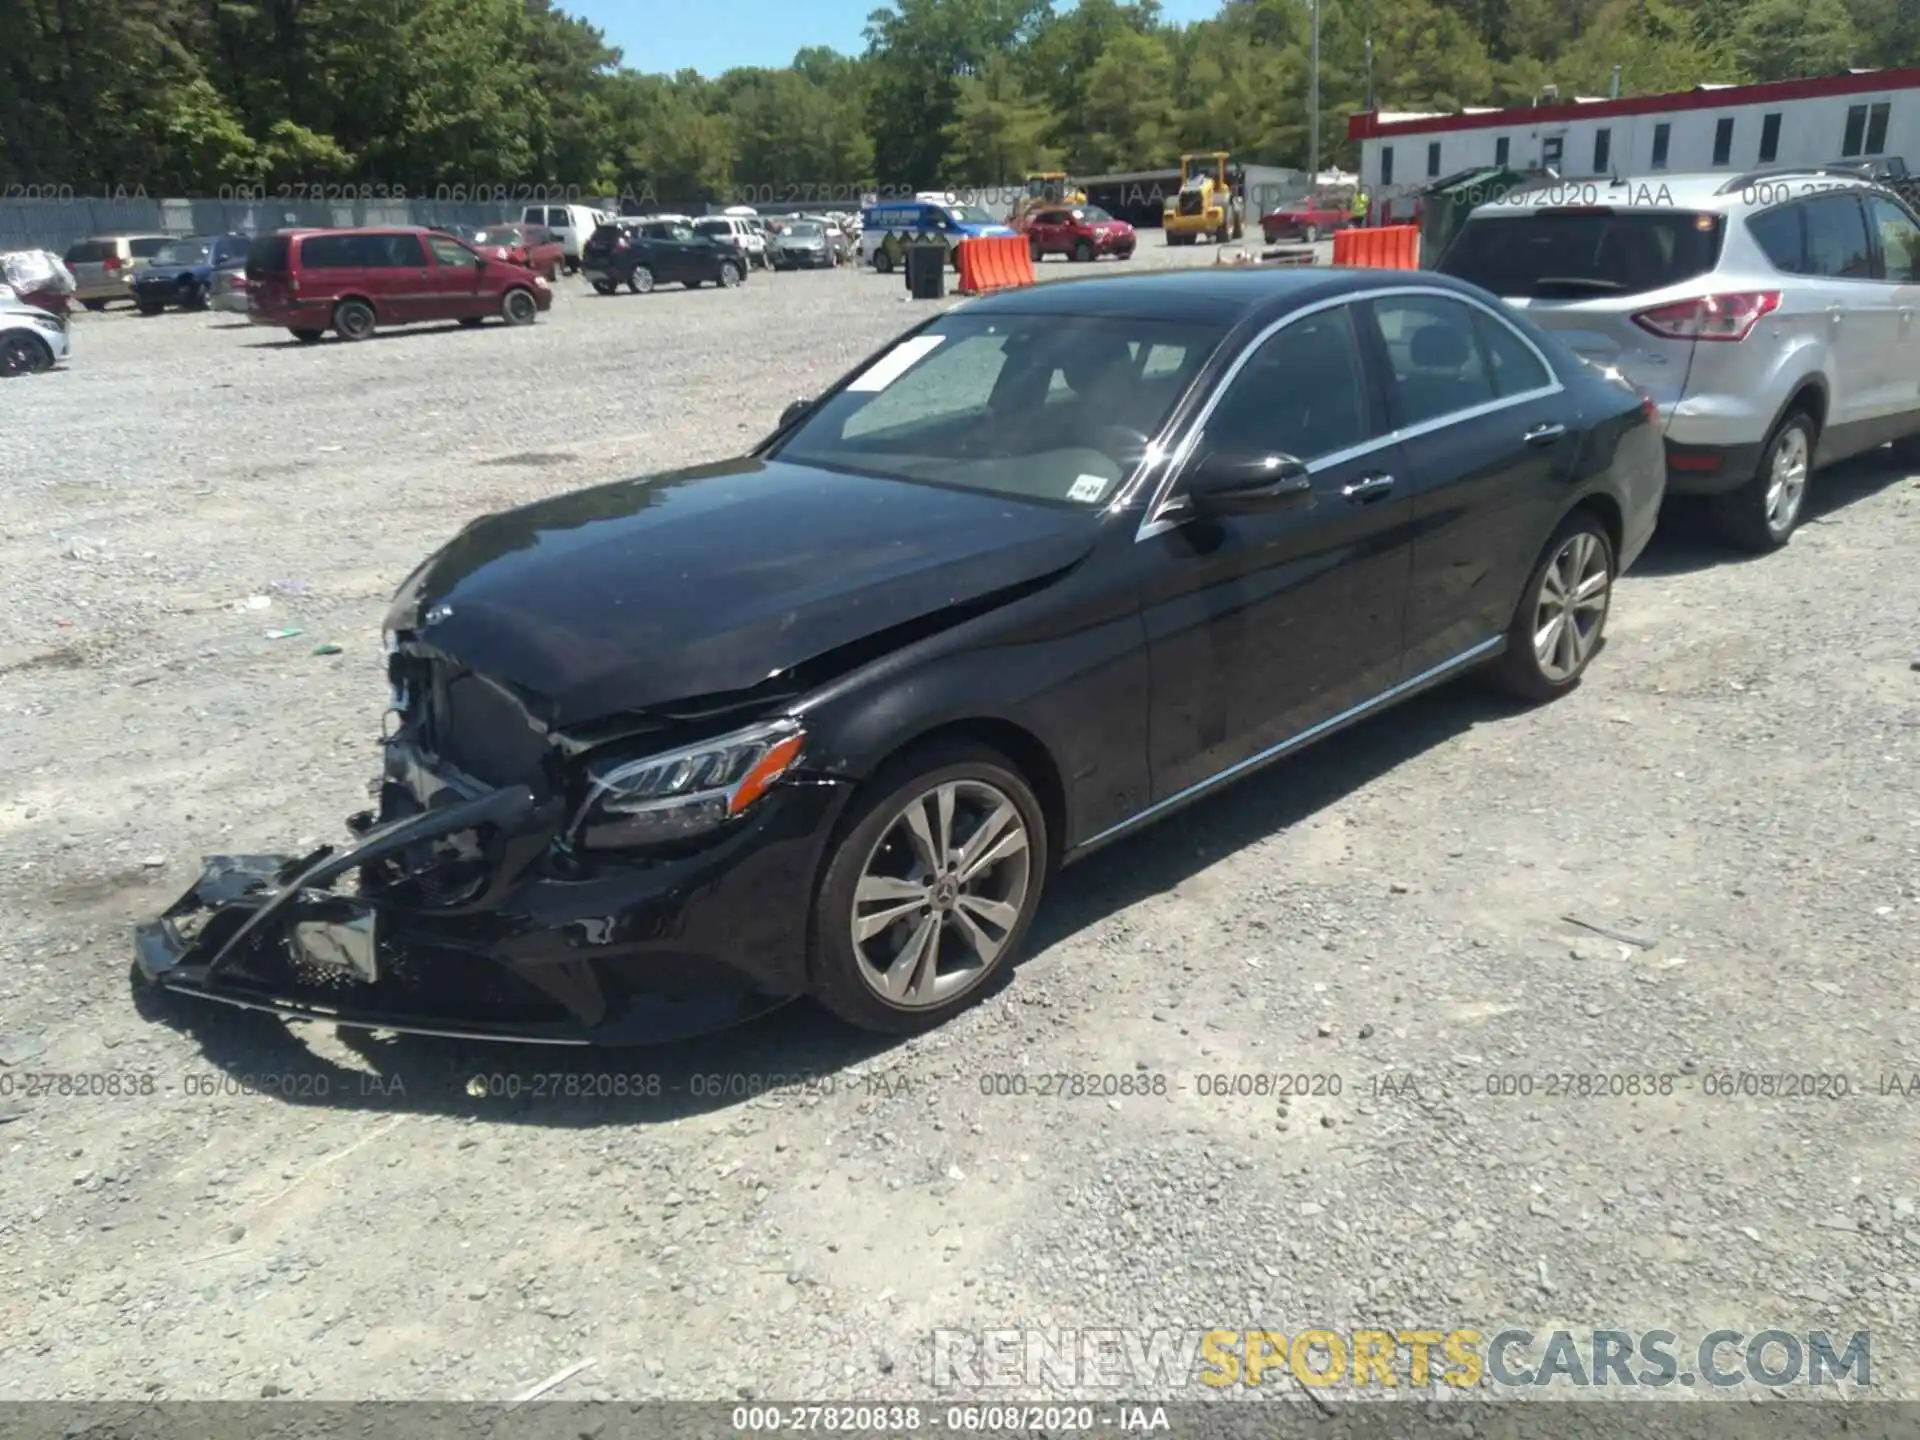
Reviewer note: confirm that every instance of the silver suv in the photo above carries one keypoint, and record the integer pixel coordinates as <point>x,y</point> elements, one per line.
<point>1770,316</point>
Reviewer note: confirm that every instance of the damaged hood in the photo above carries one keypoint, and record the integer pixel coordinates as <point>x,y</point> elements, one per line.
<point>711,580</point>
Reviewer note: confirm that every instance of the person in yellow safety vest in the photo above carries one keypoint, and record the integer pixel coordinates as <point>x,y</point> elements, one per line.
<point>1360,206</point>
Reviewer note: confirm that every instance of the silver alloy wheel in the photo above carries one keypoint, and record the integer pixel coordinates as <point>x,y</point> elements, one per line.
<point>729,276</point>
<point>940,894</point>
<point>1787,479</point>
<point>1572,606</point>
<point>640,282</point>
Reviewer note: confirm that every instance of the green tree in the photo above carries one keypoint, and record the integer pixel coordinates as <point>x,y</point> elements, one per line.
<point>1129,106</point>
<point>998,132</point>
<point>1779,39</point>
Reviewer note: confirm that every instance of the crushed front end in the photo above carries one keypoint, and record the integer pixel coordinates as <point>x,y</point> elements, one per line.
<point>466,904</point>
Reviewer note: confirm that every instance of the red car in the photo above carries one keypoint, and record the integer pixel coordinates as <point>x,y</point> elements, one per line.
<point>1080,232</point>
<point>533,246</point>
<point>353,281</point>
<point>1307,221</point>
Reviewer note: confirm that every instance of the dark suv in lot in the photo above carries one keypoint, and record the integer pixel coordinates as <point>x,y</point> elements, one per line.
<point>640,254</point>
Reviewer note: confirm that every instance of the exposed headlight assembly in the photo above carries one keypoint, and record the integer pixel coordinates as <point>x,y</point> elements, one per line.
<point>686,792</point>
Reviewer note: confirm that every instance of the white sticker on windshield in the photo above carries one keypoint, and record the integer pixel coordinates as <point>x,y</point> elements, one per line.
<point>1088,488</point>
<point>895,363</point>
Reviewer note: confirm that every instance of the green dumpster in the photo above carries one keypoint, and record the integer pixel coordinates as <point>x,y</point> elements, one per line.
<point>1445,204</point>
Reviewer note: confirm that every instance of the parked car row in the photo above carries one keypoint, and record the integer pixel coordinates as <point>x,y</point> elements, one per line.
<point>1771,317</point>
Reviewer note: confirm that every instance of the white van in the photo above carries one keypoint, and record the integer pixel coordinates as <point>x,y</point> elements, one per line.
<point>572,226</point>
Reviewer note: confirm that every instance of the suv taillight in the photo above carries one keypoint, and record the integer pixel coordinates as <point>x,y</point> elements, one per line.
<point>112,263</point>
<point>1711,317</point>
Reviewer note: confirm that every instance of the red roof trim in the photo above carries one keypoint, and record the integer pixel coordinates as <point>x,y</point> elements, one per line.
<point>1367,124</point>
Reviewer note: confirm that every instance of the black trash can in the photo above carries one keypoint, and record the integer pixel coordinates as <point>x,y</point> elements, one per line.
<point>927,270</point>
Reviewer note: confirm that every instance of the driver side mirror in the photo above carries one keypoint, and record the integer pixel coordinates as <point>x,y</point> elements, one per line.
<point>1238,483</point>
<point>794,411</point>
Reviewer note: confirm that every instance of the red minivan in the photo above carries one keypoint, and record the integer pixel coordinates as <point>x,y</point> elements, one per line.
<point>354,281</point>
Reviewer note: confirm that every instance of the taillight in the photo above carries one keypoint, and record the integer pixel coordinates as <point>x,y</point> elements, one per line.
<point>112,263</point>
<point>1649,409</point>
<point>1711,317</point>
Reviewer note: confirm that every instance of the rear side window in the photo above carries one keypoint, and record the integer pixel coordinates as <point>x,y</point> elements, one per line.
<point>1516,369</point>
<point>1435,357</point>
<point>328,252</point>
<point>147,246</point>
<point>268,255</point>
<point>88,252</point>
<point>1574,254</point>
<point>602,234</point>
<point>1837,238</point>
<point>1778,234</point>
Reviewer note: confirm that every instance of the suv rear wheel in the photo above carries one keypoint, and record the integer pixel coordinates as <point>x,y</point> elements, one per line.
<point>353,320</point>
<point>1762,514</point>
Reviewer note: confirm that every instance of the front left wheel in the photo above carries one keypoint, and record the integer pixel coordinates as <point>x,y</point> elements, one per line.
<point>24,354</point>
<point>931,889</point>
<point>1562,615</point>
<point>518,307</point>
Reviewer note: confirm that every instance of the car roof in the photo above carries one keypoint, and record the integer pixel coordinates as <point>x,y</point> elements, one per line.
<point>131,235</point>
<point>1700,191</point>
<point>1216,294</point>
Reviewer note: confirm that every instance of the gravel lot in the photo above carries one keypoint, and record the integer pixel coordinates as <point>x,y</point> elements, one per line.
<point>1735,784</point>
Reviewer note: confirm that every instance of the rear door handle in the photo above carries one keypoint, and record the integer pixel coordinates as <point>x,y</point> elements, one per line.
<point>1545,434</point>
<point>1365,492</point>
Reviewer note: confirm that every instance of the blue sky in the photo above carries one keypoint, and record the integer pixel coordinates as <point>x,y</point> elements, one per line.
<point>656,36</point>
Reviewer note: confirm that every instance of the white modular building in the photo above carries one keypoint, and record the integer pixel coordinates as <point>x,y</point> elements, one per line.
<point>1857,116</point>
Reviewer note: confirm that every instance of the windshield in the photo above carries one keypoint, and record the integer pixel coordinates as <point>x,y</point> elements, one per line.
<point>1572,254</point>
<point>499,235</point>
<point>969,215</point>
<point>1094,215</point>
<point>1051,407</point>
<point>805,229</point>
<point>1198,168</point>
<point>184,252</point>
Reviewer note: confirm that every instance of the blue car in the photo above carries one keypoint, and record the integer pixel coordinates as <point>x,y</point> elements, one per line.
<point>181,272</point>
<point>904,220</point>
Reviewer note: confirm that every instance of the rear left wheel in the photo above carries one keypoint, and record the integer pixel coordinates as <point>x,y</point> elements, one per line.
<point>1763,514</point>
<point>1563,613</point>
<point>729,274</point>
<point>930,891</point>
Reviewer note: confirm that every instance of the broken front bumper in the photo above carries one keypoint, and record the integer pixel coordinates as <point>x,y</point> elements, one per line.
<point>501,942</point>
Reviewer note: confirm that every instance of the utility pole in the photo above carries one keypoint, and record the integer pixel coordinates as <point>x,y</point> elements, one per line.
<point>1369,73</point>
<point>1313,102</point>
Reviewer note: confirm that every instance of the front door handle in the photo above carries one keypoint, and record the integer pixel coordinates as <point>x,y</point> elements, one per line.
<point>1545,434</point>
<point>1838,312</point>
<point>1365,492</point>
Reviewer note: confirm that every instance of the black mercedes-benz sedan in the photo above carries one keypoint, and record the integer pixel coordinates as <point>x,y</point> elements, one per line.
<point>823,720</point>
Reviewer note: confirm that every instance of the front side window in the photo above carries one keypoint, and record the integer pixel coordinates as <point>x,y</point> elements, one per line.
<point>1303,393</point>
<point>452,252</point>
<point>1053,407</point>
<point>1837,238</point>
<point>1899,240</point>
<point>1434,356</point>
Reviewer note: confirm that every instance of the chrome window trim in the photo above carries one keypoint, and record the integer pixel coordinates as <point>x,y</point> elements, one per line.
<point>1274,752</point>
<point>1155,521</point>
